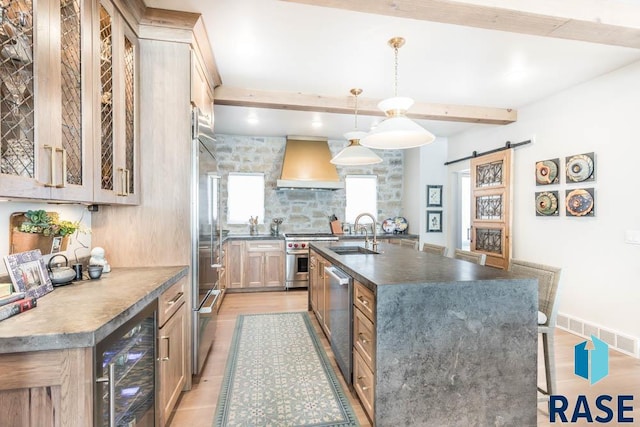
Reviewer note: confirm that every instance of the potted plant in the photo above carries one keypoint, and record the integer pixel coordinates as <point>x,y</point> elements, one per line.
<point>38,229</point>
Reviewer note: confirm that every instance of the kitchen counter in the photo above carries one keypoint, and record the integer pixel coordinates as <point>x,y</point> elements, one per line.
<point>383,236</point>
<point>455,342</point>
<point>252,237</point>
<point>83,313</point>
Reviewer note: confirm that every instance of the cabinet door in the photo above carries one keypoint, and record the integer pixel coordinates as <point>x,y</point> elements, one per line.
<point>254,269</point>
<point>116,176</point>
<point>313,267</point>
<point>234,259</point>
<point>70,143</point>
<point>172,363</point>
<point>24,67</point>
<point>274,268</point>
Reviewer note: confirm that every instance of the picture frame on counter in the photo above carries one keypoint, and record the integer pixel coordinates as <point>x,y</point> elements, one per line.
<point>434,196</point>
<point>434,221</point>
<point>28,273</point>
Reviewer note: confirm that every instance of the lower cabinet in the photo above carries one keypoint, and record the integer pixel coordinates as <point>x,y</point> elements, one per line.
<point>172,348</point>
<point>254,264</point>
<point>364,346</point>
<point>319,289</point>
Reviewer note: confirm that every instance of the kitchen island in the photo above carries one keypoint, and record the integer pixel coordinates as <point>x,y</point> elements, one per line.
<point>448,342</point>
<point>47,353</point>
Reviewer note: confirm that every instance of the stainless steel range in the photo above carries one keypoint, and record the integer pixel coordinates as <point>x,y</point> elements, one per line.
<point>296,264</point>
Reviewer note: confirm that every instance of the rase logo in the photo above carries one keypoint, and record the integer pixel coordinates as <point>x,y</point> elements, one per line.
<point>592,365</point>
<point>599,366</point>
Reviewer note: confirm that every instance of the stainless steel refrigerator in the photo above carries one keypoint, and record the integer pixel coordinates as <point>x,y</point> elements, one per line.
<point>206,238</point>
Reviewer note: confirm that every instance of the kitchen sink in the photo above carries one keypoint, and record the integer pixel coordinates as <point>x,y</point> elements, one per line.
<point>352,250</point>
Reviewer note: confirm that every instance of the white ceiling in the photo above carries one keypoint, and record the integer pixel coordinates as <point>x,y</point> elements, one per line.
<point>281,46</point>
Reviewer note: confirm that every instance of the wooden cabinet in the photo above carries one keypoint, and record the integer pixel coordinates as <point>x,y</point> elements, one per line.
<point>234,254</point>
<point>254,264</point>
<point>47,144</point>
<point>201,95</point>
<point>264,263</point>
<point>364,346</point>
<point>116,178</point>
<point>319,284</point>
<point>172,348</point>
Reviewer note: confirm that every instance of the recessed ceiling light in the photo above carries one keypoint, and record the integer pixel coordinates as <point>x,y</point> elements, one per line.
<point>316,124</point>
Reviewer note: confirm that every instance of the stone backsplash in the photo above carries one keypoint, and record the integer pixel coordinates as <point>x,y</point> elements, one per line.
<point>303,210</point>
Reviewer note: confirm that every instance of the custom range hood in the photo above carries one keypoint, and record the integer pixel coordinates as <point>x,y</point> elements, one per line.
<point>307,165</point>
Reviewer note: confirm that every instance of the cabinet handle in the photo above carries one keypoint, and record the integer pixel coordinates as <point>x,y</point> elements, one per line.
<point>64,167</point>
<point>127,181</point>
<point>363,301</point>
<point>176,298</point>
<point>164,359</point>
<point>52,181</point>
<point>111,380</point>
<point>122,184</point>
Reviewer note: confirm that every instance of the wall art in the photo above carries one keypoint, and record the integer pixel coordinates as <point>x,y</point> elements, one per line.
<point>547,203</point>
<point>580,168</point>
<point>580,202</point>
<point>434,221</point>
<point>547,172</point>
<point>434,196</point>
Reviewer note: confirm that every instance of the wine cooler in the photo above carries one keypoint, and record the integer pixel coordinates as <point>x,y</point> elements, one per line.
<point>126,375</point>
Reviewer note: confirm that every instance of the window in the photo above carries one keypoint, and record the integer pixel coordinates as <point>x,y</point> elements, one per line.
<point>362,196</point>
<point>245,197</point>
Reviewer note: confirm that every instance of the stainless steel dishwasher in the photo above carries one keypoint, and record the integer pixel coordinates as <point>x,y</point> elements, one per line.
<point>341,318</point>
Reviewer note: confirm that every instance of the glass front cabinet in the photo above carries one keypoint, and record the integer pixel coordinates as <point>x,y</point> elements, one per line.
<point>60,137</point>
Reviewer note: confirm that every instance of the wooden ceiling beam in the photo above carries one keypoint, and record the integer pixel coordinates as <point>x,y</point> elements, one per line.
<point>596,21</point>
<point>224,95</point>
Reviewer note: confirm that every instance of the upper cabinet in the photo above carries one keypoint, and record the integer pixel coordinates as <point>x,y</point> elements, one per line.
<point>68,102</point>
<point>117,162</point>
<point>46,146</point>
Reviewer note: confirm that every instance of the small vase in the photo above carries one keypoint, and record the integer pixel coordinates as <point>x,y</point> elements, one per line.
<point>253,229</point>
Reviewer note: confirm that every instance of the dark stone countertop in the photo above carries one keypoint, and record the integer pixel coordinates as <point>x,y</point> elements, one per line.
<point>84,313</point>
<point>401,265</point>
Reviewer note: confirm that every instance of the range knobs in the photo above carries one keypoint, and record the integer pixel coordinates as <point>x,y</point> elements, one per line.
<point>295,245</point>
<point>303,245</point>
<point>290,245</point>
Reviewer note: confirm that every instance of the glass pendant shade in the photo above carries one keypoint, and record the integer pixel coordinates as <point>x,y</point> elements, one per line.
<point>397,131</point>
<point>355,154</point>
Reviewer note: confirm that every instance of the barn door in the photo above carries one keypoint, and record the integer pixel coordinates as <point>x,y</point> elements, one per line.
<point>491,207</point>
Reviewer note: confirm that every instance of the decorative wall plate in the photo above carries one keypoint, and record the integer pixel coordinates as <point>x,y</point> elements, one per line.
<point>401,224</point>
<point>580,168</point>
<point>547,171</point>
<point>547,203</point>
<point>580,202</point>
<point>388,225</point>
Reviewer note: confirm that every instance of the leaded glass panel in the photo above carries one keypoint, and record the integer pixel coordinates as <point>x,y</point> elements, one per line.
<point>489,240</point>
<point>106,85</point>
<point>71,80</point>
<point>129,99</point>
<point>17,151</point>
<point>489,207</point>
<point>489,174</point>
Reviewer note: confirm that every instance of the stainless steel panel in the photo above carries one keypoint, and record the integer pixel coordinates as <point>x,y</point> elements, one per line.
<point>341,318</point>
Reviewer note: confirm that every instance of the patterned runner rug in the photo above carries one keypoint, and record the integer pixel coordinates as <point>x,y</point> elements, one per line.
<point>278,374</point>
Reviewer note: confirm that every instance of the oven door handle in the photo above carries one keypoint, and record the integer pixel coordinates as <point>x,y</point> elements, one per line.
<point>204,308</point>
<point>302,252</point>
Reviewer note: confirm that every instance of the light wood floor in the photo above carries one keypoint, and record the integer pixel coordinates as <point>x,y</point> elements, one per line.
<point>196,407</point>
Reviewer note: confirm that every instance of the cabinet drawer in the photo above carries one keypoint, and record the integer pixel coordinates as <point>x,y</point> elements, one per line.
<point>363,382</point>
<point>170,301</point>
<point>364,337</point>
<point>364,299</point>
<point>264,245</point>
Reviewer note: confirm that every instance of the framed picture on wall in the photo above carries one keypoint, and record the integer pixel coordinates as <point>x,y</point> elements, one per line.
<point>434,196</point>
<point>434,221</point>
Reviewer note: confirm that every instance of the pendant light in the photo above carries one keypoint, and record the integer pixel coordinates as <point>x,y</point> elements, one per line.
<point>397,131</point>
<point>355,154</point>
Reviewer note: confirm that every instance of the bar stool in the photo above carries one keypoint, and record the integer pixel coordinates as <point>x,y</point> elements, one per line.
<point>434,249</point>
<point>474,257</point>
<point>548,279</point>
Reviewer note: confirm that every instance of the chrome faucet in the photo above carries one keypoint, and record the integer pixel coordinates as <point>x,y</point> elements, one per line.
<point>375,236</point>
